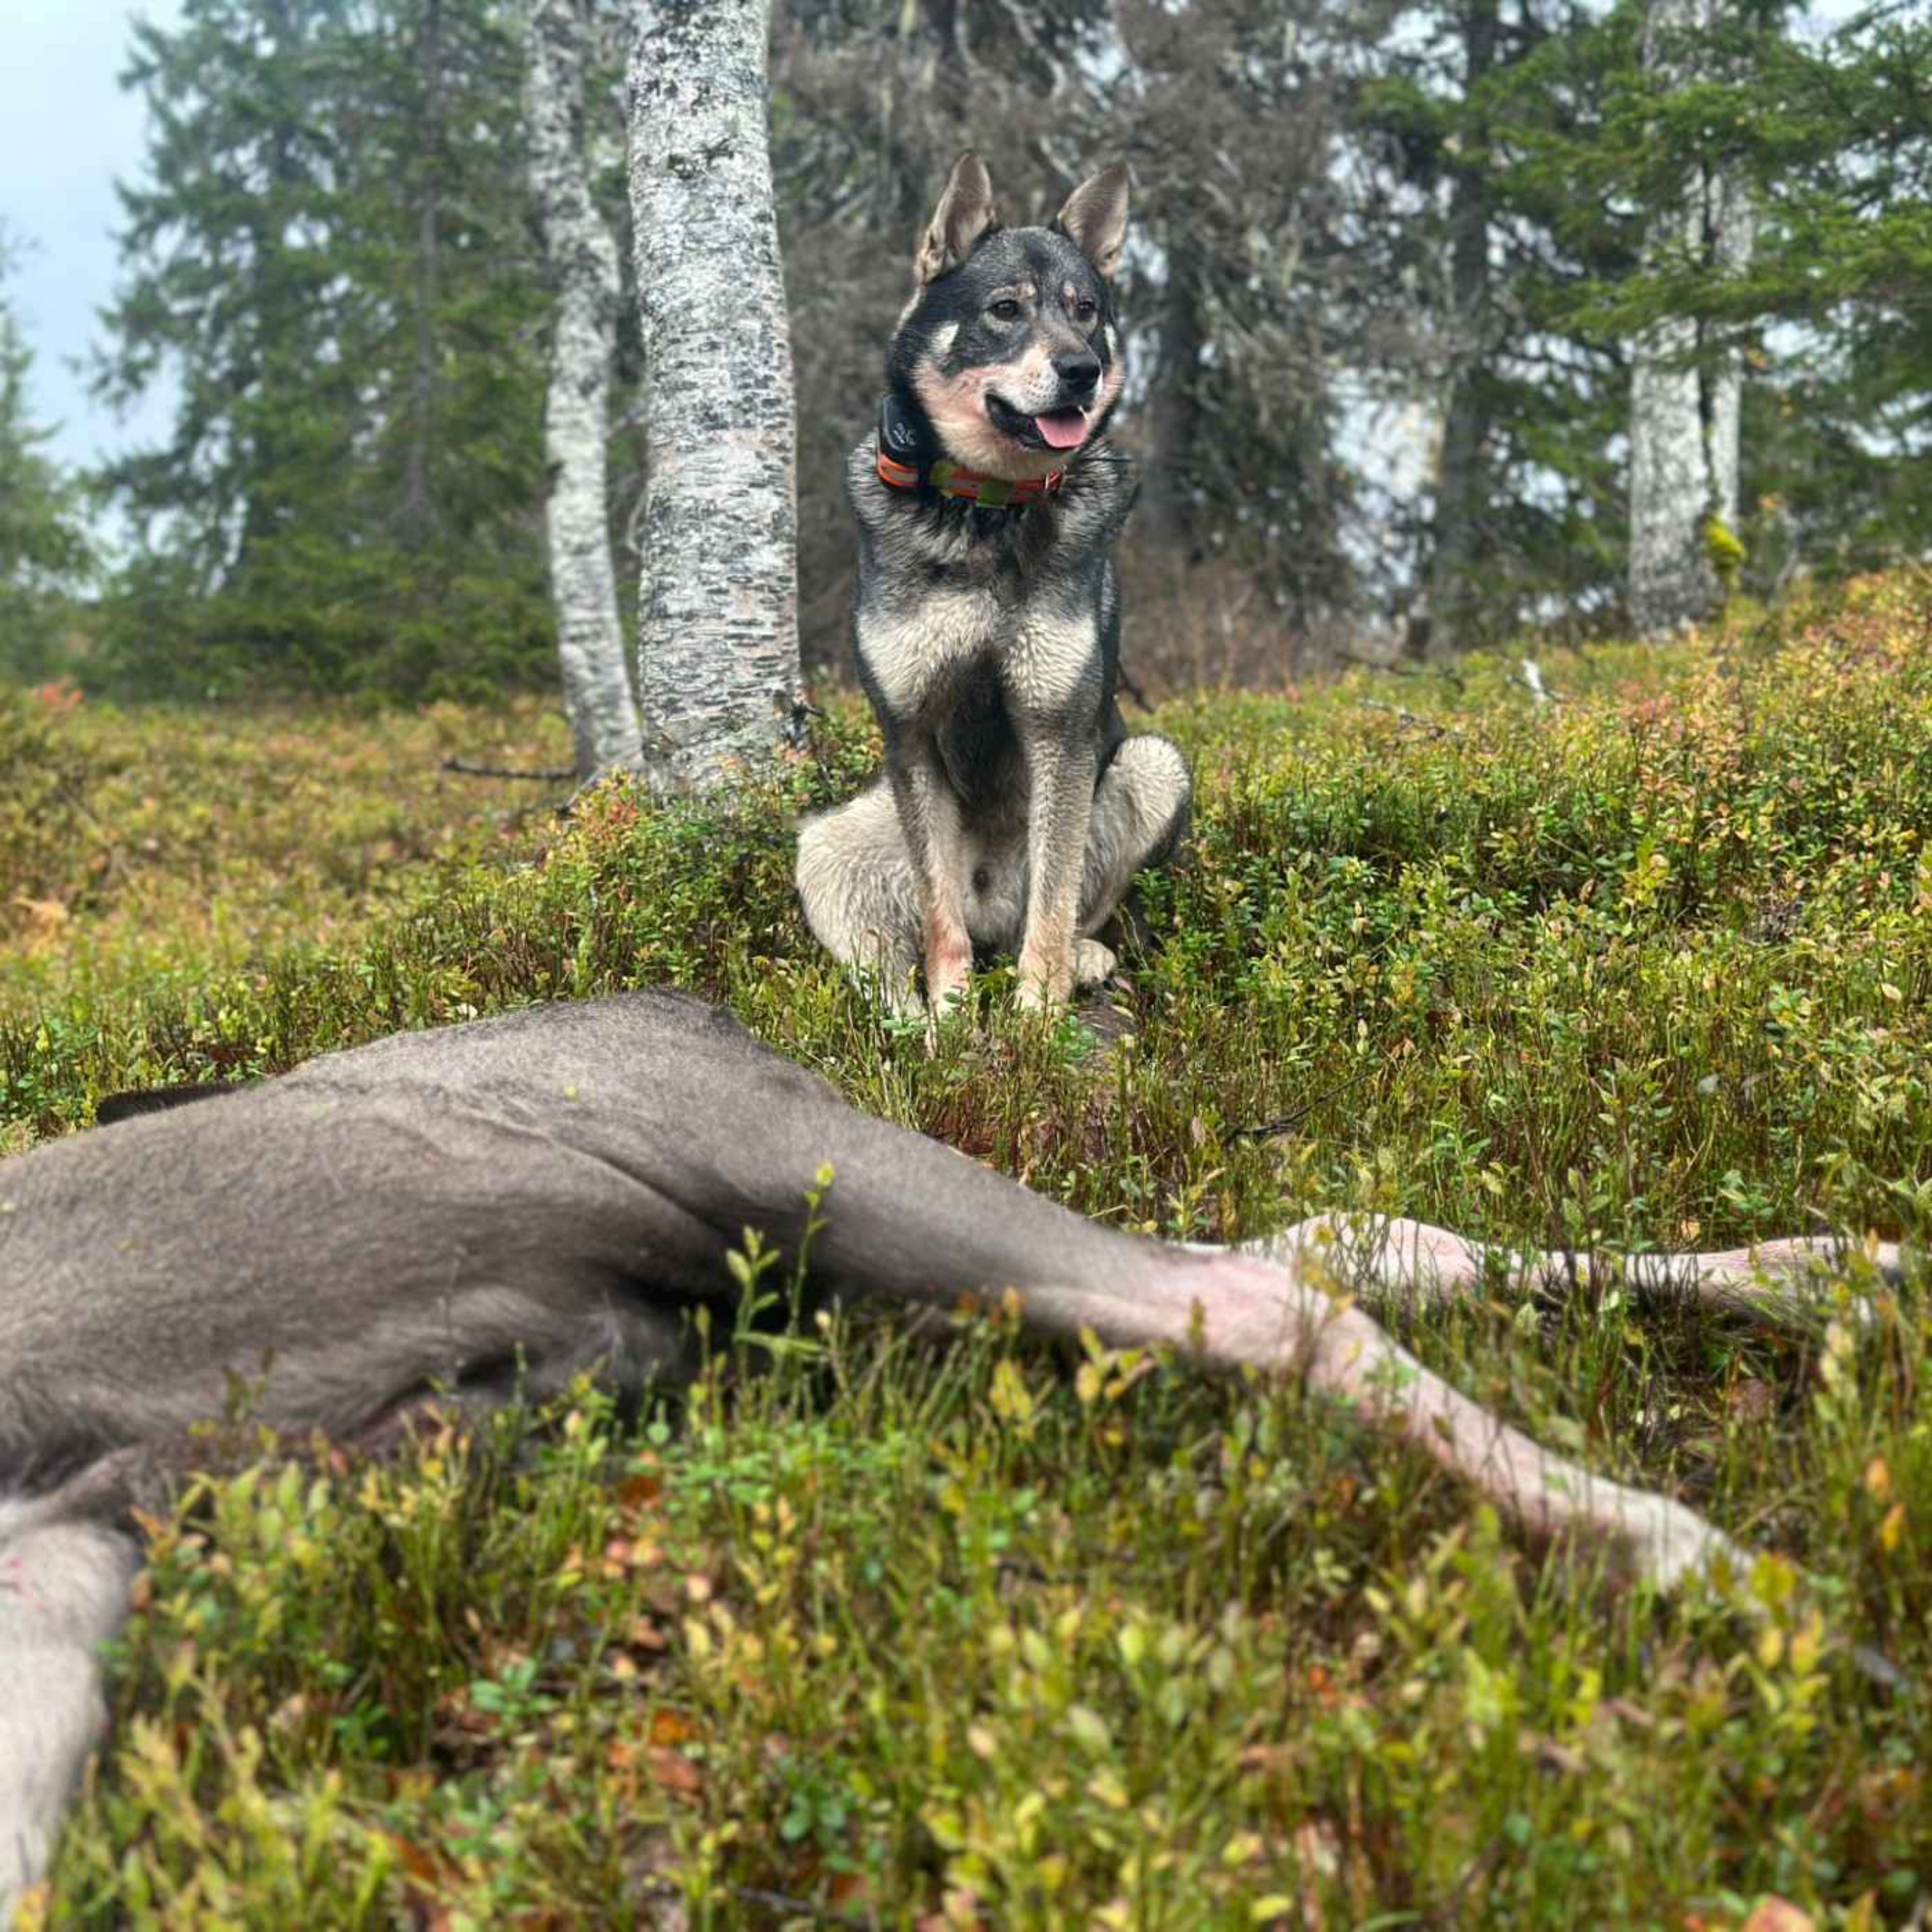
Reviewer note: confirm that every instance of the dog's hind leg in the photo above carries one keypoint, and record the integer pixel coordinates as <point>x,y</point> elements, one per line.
<point>1140,811</point>
<point>64,1592</point>
<point>855,880</point>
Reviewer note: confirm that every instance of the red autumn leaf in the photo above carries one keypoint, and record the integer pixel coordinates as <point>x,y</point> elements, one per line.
<point>671,1727</point>
<point>675,1772</point>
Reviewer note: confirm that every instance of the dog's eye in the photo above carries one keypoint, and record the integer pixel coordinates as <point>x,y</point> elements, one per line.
<point>1085,310</point>
<point>1005,310</point>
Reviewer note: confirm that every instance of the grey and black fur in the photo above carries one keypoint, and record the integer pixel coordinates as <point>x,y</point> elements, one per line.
<point>1014,810</point>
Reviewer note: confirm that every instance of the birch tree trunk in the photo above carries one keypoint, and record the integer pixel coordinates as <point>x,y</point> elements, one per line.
<point>582,259</point>
<point>1684,406</point>
<point>718,663</point>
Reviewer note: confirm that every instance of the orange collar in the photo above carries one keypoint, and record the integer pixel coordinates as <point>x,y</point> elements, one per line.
<point>953,479</point>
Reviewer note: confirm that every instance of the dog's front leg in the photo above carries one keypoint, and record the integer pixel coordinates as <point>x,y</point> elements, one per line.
<point>929,817</point>
<point>1060,765</point>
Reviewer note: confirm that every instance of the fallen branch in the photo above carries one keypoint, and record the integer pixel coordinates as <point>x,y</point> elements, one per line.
<point>1384,667</point>
<point>1782,1282</point>
<point>1282,1123</point>
<point>544,775</point>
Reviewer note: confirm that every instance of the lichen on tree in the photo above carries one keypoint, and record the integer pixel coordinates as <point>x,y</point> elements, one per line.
<point>582,256</point>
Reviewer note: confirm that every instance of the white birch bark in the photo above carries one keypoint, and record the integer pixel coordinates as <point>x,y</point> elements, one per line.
<point>1683,415</point>
<point>582,259</point>
<point>718,664</point>
<point>1732,230</point>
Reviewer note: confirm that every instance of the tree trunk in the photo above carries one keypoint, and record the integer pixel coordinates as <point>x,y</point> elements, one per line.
<point>416,504</point>
<point>1462,486</point>
<point>718,663</point>
<point>1683,404</point>
<point>1166,506</point>
<point>582,259</point>
<point>264,514</point>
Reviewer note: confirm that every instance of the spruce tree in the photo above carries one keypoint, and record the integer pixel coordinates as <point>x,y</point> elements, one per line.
<point>328,248</point>
<point>1523,514</point>
<point>44,550</point>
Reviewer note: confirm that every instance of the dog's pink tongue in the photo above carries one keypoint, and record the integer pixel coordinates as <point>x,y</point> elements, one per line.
<point>1065,429</point>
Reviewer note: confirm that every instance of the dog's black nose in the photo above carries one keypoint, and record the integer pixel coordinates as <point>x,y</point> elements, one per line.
<point>1079,370</point>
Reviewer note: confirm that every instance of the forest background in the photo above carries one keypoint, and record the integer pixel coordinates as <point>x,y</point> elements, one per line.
<point>1389,261</point>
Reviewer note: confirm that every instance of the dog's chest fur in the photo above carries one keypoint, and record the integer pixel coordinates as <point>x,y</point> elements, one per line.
<point>952,598</point>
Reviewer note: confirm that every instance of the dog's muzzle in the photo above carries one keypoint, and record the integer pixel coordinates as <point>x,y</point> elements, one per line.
<point>1067,427</point>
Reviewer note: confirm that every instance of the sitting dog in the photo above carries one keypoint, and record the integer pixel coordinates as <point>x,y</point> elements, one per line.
<point>1014,810</point>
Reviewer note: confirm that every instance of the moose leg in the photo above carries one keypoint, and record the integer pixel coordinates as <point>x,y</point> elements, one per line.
<point>909,1221</point>
<point>1774,1283</point>
<point>63,1587</point>
<point>1266,1319</point>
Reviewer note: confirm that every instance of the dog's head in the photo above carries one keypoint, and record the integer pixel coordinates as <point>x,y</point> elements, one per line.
<point>1009,343</point>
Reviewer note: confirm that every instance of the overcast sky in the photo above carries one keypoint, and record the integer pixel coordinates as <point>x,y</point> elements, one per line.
<point>67,131</point>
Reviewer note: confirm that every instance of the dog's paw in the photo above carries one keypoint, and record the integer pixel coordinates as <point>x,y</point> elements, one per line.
<point>945,997</point>
<point>1093,964</point>
<point>949,965</point>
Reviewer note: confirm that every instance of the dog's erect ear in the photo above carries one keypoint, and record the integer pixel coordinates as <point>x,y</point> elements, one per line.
<point>1096,217</point>
<point>965,212</point>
